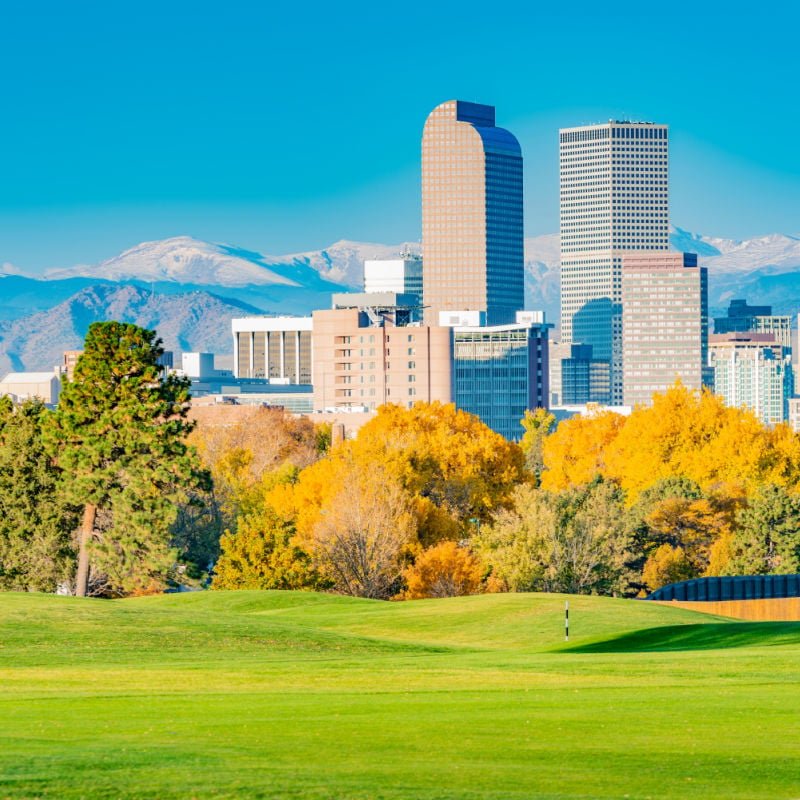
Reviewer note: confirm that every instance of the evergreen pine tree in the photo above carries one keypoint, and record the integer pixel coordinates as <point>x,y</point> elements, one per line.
<point>36,552</point>
<point>119,435</point>
<point>767,538</point>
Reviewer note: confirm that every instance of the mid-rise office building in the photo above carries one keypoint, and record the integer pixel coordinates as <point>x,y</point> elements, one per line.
<point>743,318</point>
<point>472,235</point>
<point>69,362</point>
<point>752,370</point>
<point>404,308</point>
<point>402,275</point>
<point>584,379</point>
<point>794,414</point>
<point>664,323</point>
<point>614,200</point>
<point>277,349</point>
<point>500,371</point>
<point>365,357</point>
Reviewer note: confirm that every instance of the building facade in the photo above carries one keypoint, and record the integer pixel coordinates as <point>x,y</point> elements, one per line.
<point>664,323</point>
<point>613,200</point>
<point>363,358</point>
<point>584,379</point>
<point>22,386</point>
<point>499,372</point>
<point>752,370</point>
<point>277,349</point>
<point>743,318</point>
<point>472,234</point>
<point>401,275</point>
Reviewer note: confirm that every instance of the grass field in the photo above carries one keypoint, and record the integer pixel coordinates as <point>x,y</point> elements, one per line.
<point>297,695</point>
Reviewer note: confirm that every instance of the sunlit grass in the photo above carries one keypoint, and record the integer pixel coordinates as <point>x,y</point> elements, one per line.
<point>300,695</point>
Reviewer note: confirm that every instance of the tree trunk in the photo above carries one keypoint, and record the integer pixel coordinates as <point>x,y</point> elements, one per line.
<point>87,531</point>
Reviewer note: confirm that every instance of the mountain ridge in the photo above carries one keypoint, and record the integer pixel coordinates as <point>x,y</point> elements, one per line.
<point>185,278</point>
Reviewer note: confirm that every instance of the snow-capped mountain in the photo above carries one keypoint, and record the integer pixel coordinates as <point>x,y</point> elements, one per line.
<point>343,261</point>
<point>185,260</point>
<point>763,270</point>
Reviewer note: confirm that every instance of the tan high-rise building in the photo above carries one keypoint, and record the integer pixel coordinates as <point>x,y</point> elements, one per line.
<point>472,236</point>
<point>664,323</point>
<point>363,358</point>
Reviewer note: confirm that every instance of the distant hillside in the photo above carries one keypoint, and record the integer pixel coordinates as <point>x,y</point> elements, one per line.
<point>189,321</point>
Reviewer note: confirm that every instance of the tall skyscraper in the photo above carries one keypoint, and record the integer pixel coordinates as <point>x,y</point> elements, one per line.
<point>472,234</point>
<point>614,199</point>
<point>664,323</point>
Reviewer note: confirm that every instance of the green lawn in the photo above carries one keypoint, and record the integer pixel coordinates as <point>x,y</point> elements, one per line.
<point>298,695</point>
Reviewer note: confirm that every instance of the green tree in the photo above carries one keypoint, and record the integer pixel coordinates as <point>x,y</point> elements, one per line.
<point>261,555</point>
<point>515,545</point>
<point>119,436</point>
<point>36,552</point>
<point>590,553</point>
<point>767,535</point>
<point>572,541</point>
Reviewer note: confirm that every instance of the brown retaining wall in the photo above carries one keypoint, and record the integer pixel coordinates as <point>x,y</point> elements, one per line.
<point>776,609</point>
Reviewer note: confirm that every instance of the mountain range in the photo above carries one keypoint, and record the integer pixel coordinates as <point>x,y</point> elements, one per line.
<point>190,289</point>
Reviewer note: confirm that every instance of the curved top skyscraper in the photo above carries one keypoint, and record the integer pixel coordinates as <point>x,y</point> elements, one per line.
<point>472,235</point>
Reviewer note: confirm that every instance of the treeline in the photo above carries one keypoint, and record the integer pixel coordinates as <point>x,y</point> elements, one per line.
<point>119,492</point>
<point>429,502</point>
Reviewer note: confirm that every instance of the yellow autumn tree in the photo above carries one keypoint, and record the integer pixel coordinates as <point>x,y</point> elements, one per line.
<point>666,565</point>
<point>685,433</point>
<point>577,451</point>
<point>443,570</point>
<point>454,469</point>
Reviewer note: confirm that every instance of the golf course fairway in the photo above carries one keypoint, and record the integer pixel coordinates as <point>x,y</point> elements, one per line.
<point>314,696</point>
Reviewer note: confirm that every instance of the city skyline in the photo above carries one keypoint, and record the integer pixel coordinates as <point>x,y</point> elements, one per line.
<point>98,158</point>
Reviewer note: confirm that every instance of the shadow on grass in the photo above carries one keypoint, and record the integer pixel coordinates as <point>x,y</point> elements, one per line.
<point>707,636</point>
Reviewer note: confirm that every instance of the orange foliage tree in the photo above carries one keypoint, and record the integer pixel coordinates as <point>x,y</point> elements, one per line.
<point>443,570</point>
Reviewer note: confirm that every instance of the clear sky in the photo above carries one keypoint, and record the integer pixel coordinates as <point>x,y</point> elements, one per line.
<point>284,126</point>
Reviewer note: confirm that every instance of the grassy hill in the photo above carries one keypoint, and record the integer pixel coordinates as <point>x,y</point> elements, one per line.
<point>300,695</point>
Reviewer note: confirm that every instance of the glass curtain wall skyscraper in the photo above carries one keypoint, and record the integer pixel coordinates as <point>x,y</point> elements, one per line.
<point>614,200</point>
<point>472,235</point>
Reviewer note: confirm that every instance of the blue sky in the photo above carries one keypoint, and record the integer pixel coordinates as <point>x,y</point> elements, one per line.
<point>286,126</point>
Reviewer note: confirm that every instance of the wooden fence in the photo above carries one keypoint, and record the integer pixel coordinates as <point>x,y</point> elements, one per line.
<point>775,609</point>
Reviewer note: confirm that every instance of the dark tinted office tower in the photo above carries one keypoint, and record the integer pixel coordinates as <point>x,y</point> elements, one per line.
<point>472,235</point>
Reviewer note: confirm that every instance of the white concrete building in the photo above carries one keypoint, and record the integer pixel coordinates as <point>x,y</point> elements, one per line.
<point>751,370</point>
<point>277,349</point>
<point>614,200</point>
<point>20,386</point>
<point>402,275</point>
